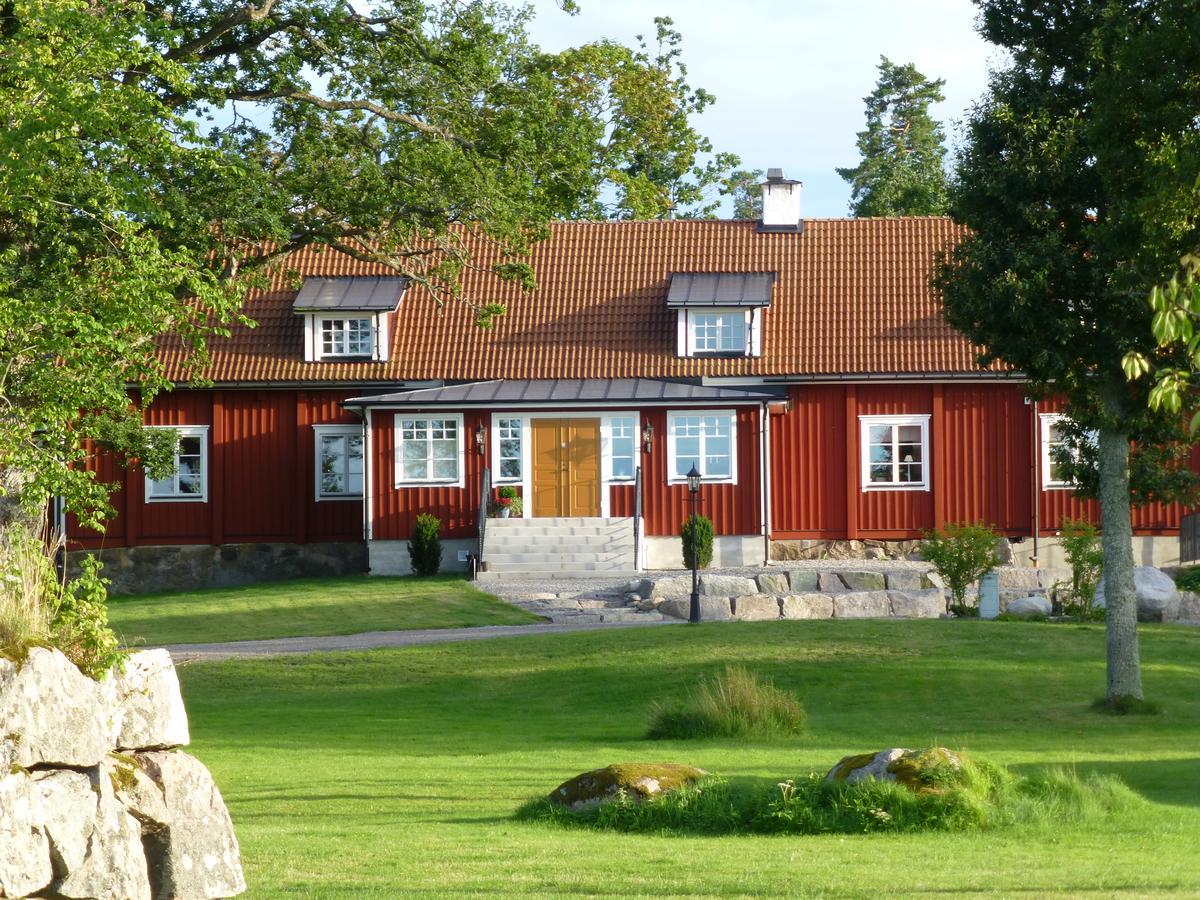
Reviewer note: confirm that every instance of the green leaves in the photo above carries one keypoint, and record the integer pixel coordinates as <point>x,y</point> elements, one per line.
<point>901,172</point>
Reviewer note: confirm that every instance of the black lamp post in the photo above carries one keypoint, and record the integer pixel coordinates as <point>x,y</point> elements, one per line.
<point>693,483</point>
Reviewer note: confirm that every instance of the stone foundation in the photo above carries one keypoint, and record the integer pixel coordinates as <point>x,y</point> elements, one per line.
<point>782,551</point>
<point>148,570</point>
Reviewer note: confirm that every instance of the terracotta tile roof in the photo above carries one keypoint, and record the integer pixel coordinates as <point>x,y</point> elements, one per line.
<point>851,297</point>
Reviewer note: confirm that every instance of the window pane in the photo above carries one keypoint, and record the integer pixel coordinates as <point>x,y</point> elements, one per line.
<point>622,467</point>
<point>910,453</point>
<point>909,434</point>
<point>415,469</point>
<point>881,454</point>
<point>416,449</point>
<point>162,487</point>
<point>911,473</point>
<point>354,483</point>
<point>716,466</point>
<point>332,483</point>
<point>881,474</point>
<point>445,469</point>
<point>879,434</point>
<point>355,462</point>
<point>189,484</point>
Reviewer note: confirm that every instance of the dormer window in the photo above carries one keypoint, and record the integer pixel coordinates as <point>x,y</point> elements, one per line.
<point>719,314</point>
<point>719,332</point>
<point>347,318</point>
<point>346,337</point>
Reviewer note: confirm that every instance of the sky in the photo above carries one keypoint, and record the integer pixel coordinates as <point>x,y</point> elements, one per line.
<point>790,77</point>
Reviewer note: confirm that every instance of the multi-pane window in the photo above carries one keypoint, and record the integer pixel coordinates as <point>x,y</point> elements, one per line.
<point>1054,446</point>
<point>718,332</point>
<point>622,435</point>
<point>427,449</point>
<point>346,337</point>
<point>189,480</point>
<point>703,440</point>
<point>895,451</point>
<point>339,462</point>
<point>508,449</point>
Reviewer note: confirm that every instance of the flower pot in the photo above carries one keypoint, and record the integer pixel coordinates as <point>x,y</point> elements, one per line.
<point>505,512</point>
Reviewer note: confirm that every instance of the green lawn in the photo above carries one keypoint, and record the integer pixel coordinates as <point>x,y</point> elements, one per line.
<point>308,607</point>
<point>395,773</point>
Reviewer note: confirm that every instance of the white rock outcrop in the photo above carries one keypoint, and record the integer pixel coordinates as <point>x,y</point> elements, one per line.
<point>80,819</point>
<point>1157,596</point>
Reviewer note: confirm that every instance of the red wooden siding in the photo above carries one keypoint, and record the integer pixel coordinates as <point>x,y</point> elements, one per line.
<point>261,481</point>
<point>986,457</point>
<point>808,473</point>
<point>394,510</point>
<point>733,508</point>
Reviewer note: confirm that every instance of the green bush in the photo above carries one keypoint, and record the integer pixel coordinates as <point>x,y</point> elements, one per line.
<point>1080,540</point>
<point>733,704</point>
<point>36,609</point>
<point>80,624</point>
<point>697,532</point>
<point>980,796</point>
<point>1188,579</point>
<point>425,546</point>
<point>962,554</point>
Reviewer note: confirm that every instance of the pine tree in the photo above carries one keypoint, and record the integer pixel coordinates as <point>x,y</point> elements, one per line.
<point>902,148</point>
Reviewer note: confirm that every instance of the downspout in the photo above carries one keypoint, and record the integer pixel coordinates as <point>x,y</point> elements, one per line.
<point>368,484</point>
<point>1037,481</point>
<point>764,479</point>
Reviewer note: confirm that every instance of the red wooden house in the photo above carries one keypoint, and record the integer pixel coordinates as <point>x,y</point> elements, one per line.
<point>803,366</point>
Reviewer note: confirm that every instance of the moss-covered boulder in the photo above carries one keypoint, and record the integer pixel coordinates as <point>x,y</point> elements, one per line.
<point>921,771</point>
<point>638,781</point>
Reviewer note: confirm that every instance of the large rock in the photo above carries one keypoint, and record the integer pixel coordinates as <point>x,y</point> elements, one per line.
<point>95,843</point>
<point>1030,607</point>
<point>1157,596</point>
<point>907,580</point>
<point>807,606</point>
<point>773,583</point>
<point>1019,577</point>
<point>801,581</point>
<point>915,769</point>
<point>830,583</point>
<point>917,604</point>
<point>1189,607</point>
<point>638,781</point>
<point>673,586</point>
<point>712,609</point>
<point>864,581</point>
<point>727,585</point>
<point>147,708</point>
<point>754,607</point>
<point>862,605</point>
<point>24,849</point>
<point>196,853</point>
<point>50,713</point>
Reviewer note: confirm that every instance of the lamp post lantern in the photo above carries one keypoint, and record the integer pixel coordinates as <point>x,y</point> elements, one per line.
<point>693,485</point>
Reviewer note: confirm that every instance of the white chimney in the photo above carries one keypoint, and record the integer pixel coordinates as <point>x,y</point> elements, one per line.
<point>780,203</point>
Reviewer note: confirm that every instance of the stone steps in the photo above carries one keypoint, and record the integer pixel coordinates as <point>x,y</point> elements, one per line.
<point>558,546</point>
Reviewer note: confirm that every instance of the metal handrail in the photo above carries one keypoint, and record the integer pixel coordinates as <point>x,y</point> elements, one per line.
<point>485,495</point>
<point>637,518</point>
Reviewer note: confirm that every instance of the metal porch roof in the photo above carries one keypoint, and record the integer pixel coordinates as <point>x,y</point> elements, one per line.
<point>720,289</point>
<point>568,390</point>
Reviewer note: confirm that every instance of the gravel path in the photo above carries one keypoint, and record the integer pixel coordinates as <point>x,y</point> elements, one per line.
<point>373,640</point>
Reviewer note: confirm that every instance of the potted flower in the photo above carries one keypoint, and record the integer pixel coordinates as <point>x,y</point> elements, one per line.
<point>506,497</point>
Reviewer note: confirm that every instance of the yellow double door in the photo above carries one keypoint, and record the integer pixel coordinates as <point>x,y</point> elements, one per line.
<point>566,467</point>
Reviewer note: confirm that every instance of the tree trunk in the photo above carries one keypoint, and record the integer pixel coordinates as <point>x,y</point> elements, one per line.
<point>1124,667</point>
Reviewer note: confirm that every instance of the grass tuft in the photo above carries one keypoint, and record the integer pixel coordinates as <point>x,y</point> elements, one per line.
<point>977,797</point>
<point>1126,706</point>
<point>736,704</point>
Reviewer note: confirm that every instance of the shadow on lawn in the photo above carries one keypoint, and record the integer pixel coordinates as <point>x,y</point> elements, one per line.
<point>1174,782</point>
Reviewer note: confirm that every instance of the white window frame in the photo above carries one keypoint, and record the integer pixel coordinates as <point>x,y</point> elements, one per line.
<point>523,418</point>
<point>606,441</point>
<point>864,441</point>
<point>398,454</point>
<point>686,332</point>
<point>200,431</point>
<point>1045,422</point>
<point>672,476</point>
<point>372,329</point>
<point>323,431</point>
